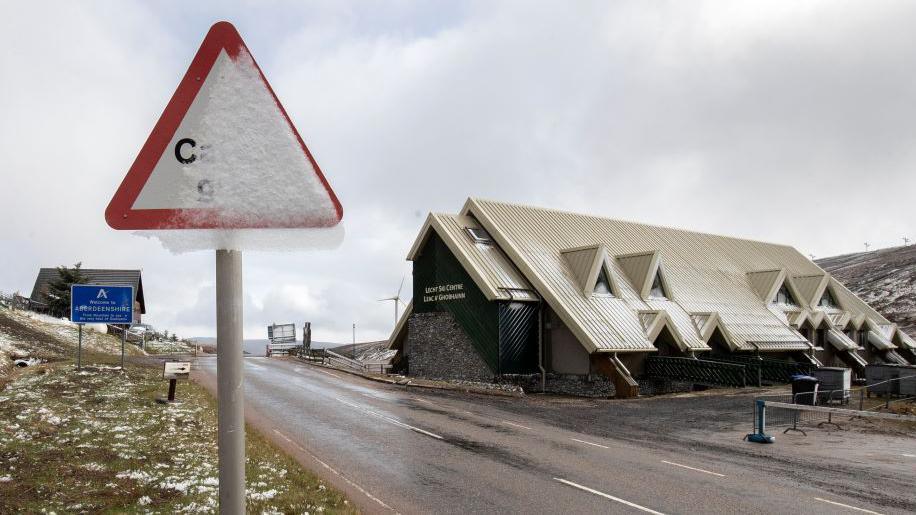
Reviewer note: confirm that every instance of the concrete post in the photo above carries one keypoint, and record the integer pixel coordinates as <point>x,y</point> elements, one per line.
<point>230,396</point>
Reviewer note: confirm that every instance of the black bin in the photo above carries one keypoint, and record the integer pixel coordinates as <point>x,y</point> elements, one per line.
<point>804,389</point>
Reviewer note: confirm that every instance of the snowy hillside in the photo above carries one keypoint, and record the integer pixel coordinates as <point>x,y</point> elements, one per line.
<point>885,278</point>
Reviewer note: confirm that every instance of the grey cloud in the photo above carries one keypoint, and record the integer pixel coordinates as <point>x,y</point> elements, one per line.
<point>782,121</point>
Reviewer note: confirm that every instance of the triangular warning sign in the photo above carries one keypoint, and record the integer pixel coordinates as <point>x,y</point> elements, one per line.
<point>224,154</point>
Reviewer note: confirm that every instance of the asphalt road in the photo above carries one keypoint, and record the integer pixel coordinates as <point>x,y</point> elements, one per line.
<point>412,451</point>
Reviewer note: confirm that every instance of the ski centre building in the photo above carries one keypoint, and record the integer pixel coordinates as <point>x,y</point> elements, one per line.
<point>506,290</point>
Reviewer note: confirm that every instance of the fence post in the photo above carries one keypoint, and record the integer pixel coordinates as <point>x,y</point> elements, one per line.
<point>760,436</point>
<point>761,417</point>
<point>861,398</point>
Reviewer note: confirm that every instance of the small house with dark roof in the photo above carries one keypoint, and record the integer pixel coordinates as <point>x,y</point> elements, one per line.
<point>106,277</point>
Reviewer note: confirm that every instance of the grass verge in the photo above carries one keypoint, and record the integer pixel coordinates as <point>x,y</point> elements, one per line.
<point>96,441</point>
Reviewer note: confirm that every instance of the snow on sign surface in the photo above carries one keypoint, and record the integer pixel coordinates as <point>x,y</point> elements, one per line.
<point>224,155</point>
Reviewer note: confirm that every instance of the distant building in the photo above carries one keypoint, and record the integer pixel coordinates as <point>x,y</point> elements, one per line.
<point>512,289</point>
<point>96,276</point>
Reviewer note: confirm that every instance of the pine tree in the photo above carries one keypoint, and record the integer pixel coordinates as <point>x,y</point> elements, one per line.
<point>58,294</point>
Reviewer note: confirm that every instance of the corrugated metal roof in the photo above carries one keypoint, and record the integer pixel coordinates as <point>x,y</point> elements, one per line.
<point>100,276</point>
<point>703,274</point>
<point>840,341</point>
<point>637,268</point>
<point>766,282</point>
<point>904,340</point>
<point>491,270</point>
<point>396,340</point>
<point>858,359</point>
<point>854,305</point>
<point>647,318</point>
<point>700,320</point>
<point>839,318</point>
<point>880,341</point>
<point>684,328</point>
<point>797,318</point>
<point>780,346</point>
<point>892,357</point>
<point>809,286</point>
<point>580,261</point>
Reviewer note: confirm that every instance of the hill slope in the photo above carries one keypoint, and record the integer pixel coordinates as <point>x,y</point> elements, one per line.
<point>885,278</point>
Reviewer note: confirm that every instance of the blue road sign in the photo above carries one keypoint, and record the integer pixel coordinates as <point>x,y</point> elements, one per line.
<point>97,304</point>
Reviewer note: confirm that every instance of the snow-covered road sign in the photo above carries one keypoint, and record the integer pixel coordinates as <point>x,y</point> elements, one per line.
<point>98,304</point>
<point>224,154</point>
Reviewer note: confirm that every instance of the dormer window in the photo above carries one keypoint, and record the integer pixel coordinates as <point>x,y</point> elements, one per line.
<point>479,235</point>
<point>658,288</point>
<point>603,284</point>
<point>784,297</point>
<point>827,300</point>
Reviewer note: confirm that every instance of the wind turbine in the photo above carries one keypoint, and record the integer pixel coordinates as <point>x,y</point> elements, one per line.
<point>396,299</point>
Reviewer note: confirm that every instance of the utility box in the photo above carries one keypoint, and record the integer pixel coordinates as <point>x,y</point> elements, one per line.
<point>907,381</point>
<point>878,378</point>
<point>804,389</point>
<point>835,383</point>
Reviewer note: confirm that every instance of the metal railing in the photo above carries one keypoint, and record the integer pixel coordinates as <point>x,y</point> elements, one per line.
<point>331,358</point>
<point>821,408</point>
<point>697,371</point>
<point>762,370</point>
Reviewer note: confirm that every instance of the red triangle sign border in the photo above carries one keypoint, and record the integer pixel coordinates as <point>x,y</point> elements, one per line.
<point>120,213</point>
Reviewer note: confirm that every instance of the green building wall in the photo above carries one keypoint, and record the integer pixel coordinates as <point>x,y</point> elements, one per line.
<point>503,333</point>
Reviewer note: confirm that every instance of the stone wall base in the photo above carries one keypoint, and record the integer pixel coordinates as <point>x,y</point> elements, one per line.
<point>438,348</point>
<point>594,387</point>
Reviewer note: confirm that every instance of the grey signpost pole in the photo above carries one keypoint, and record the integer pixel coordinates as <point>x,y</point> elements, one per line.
<point>79,348</point>
<point>123,337</point>
<point>230,397</point>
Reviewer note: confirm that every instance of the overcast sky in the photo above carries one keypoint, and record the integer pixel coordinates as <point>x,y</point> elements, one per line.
<point>790,122</point>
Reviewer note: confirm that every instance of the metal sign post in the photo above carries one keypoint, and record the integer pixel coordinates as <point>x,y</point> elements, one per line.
<point>123,339</point>
<point>151,198</point>
<point>231,416</point>
<point>79,348</point>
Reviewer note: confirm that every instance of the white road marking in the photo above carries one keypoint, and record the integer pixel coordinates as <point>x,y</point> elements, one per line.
<point>516,425</point>
<point>693,468</point>
<point>909,455</point>
<point>847,506</point>
<point>389,419</point>
<point>333,471</point>
<point>608,496</point>
<point>590,443</point>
